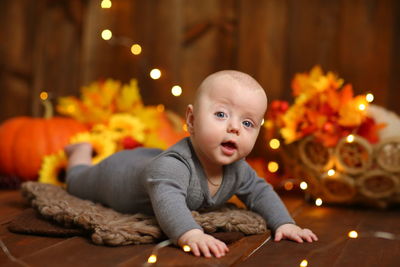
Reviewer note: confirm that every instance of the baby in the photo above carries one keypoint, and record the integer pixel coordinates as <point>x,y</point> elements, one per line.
<point>199,172</point>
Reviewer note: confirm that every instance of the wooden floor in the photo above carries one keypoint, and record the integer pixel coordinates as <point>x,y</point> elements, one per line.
<point>331,224</point>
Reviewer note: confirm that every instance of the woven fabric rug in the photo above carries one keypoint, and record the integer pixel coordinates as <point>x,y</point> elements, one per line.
<point>108,227</point>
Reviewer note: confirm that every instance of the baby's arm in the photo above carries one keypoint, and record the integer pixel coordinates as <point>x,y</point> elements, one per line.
<point>294,232</point>
<point>167,185</point>
<point>260,197</point>
<point>201,243</point>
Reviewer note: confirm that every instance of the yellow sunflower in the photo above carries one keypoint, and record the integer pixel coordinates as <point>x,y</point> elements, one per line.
<point>122,125</point>
<point>53,169</point>
<point>103,145</point>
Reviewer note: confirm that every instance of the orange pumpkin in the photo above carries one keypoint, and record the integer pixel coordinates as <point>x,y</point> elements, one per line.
<point>24,141</point>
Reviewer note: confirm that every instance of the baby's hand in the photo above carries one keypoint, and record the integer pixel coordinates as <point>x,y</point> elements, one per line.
<point>294,232</point>
<point>199,242</point>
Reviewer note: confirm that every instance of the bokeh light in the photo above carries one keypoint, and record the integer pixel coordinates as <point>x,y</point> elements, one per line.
<point>106,34</point>
<point>288,185</point>
<point>176,90</point>
<point>106,4</point>
<point>44,95</point>
<point>304,263</point>
<point>331,172</point>
<point>303,185</point>
<point>273,166</point>
<point>353,234</point>
<point>369,97</point>
<point>136,49</point>
<point>350,138</point>
<point>152,259</point>
<point>274,143</point>
<point>155,74</point>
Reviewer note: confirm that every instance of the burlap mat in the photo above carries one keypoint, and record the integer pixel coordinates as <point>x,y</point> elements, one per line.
<point>108,227</point>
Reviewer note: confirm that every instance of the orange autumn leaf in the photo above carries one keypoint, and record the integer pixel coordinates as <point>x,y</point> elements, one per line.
<point>350,114</point>
<point>346,94</point>
<point>323,107</point>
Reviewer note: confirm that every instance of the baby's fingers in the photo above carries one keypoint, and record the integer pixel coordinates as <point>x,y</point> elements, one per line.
<point>219,249</point>
<point>224,247</point>
<point>204,249</point>
<point>296,237</point>
<point>308,235</point>
<point>278,236</point>
<point>195,249</point>
<point>215,249</point>
<point>288,235</point>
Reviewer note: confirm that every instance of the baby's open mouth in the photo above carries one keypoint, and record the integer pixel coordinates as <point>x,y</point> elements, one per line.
<point>230,145</point>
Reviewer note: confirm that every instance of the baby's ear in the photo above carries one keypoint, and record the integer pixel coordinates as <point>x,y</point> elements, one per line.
<point>189,118</point>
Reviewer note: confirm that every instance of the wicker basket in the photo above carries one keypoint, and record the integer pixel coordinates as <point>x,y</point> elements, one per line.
<point>352,172</point>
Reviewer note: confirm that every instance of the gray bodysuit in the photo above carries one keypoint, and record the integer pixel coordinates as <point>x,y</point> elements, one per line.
<point>170,184</point>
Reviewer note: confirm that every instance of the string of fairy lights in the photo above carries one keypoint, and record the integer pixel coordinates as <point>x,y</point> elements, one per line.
<point>135,48</point>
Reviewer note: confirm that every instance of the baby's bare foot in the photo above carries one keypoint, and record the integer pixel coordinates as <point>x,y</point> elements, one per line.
<point>77,147</point>
<point>79,154</point>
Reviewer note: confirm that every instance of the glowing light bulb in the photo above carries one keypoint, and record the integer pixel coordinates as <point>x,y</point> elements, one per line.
<point>369,97</point>
<point>136,49</point>
<point>331,172</point>
<point>274,143</point>
<point>44,95</point>
<point>362,107</point>
<point>186,248</point>
<point>176,90</point>
<point>304,263</point>
<point>288,185</point>
<point>106,4</point>
<point>303,185</point>
<point>106,34</point>
<point>262,122</point>
<point>318,202</point>
<point>155,74</point>
<point>350,138</point>
<point>273,166</point>
<point>353,234</point>
<point>152,259</point>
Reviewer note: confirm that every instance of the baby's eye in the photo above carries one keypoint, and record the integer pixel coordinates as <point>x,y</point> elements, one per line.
<point>248,124</point>
<point>220,114</point>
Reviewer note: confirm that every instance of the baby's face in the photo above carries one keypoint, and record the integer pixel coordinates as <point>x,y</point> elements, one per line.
<point>227,120</point>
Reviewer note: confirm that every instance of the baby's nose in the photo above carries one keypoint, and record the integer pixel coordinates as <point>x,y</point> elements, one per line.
<point>234,128</point>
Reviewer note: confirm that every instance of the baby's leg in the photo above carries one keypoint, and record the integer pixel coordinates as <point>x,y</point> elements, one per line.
<point>79,154</point>
<point>81,176</point>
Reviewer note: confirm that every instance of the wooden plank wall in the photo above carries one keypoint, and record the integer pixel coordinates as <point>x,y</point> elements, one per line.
<point>56,46</point>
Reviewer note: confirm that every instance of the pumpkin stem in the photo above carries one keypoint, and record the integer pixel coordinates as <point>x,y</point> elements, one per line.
<point>48,109</point>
